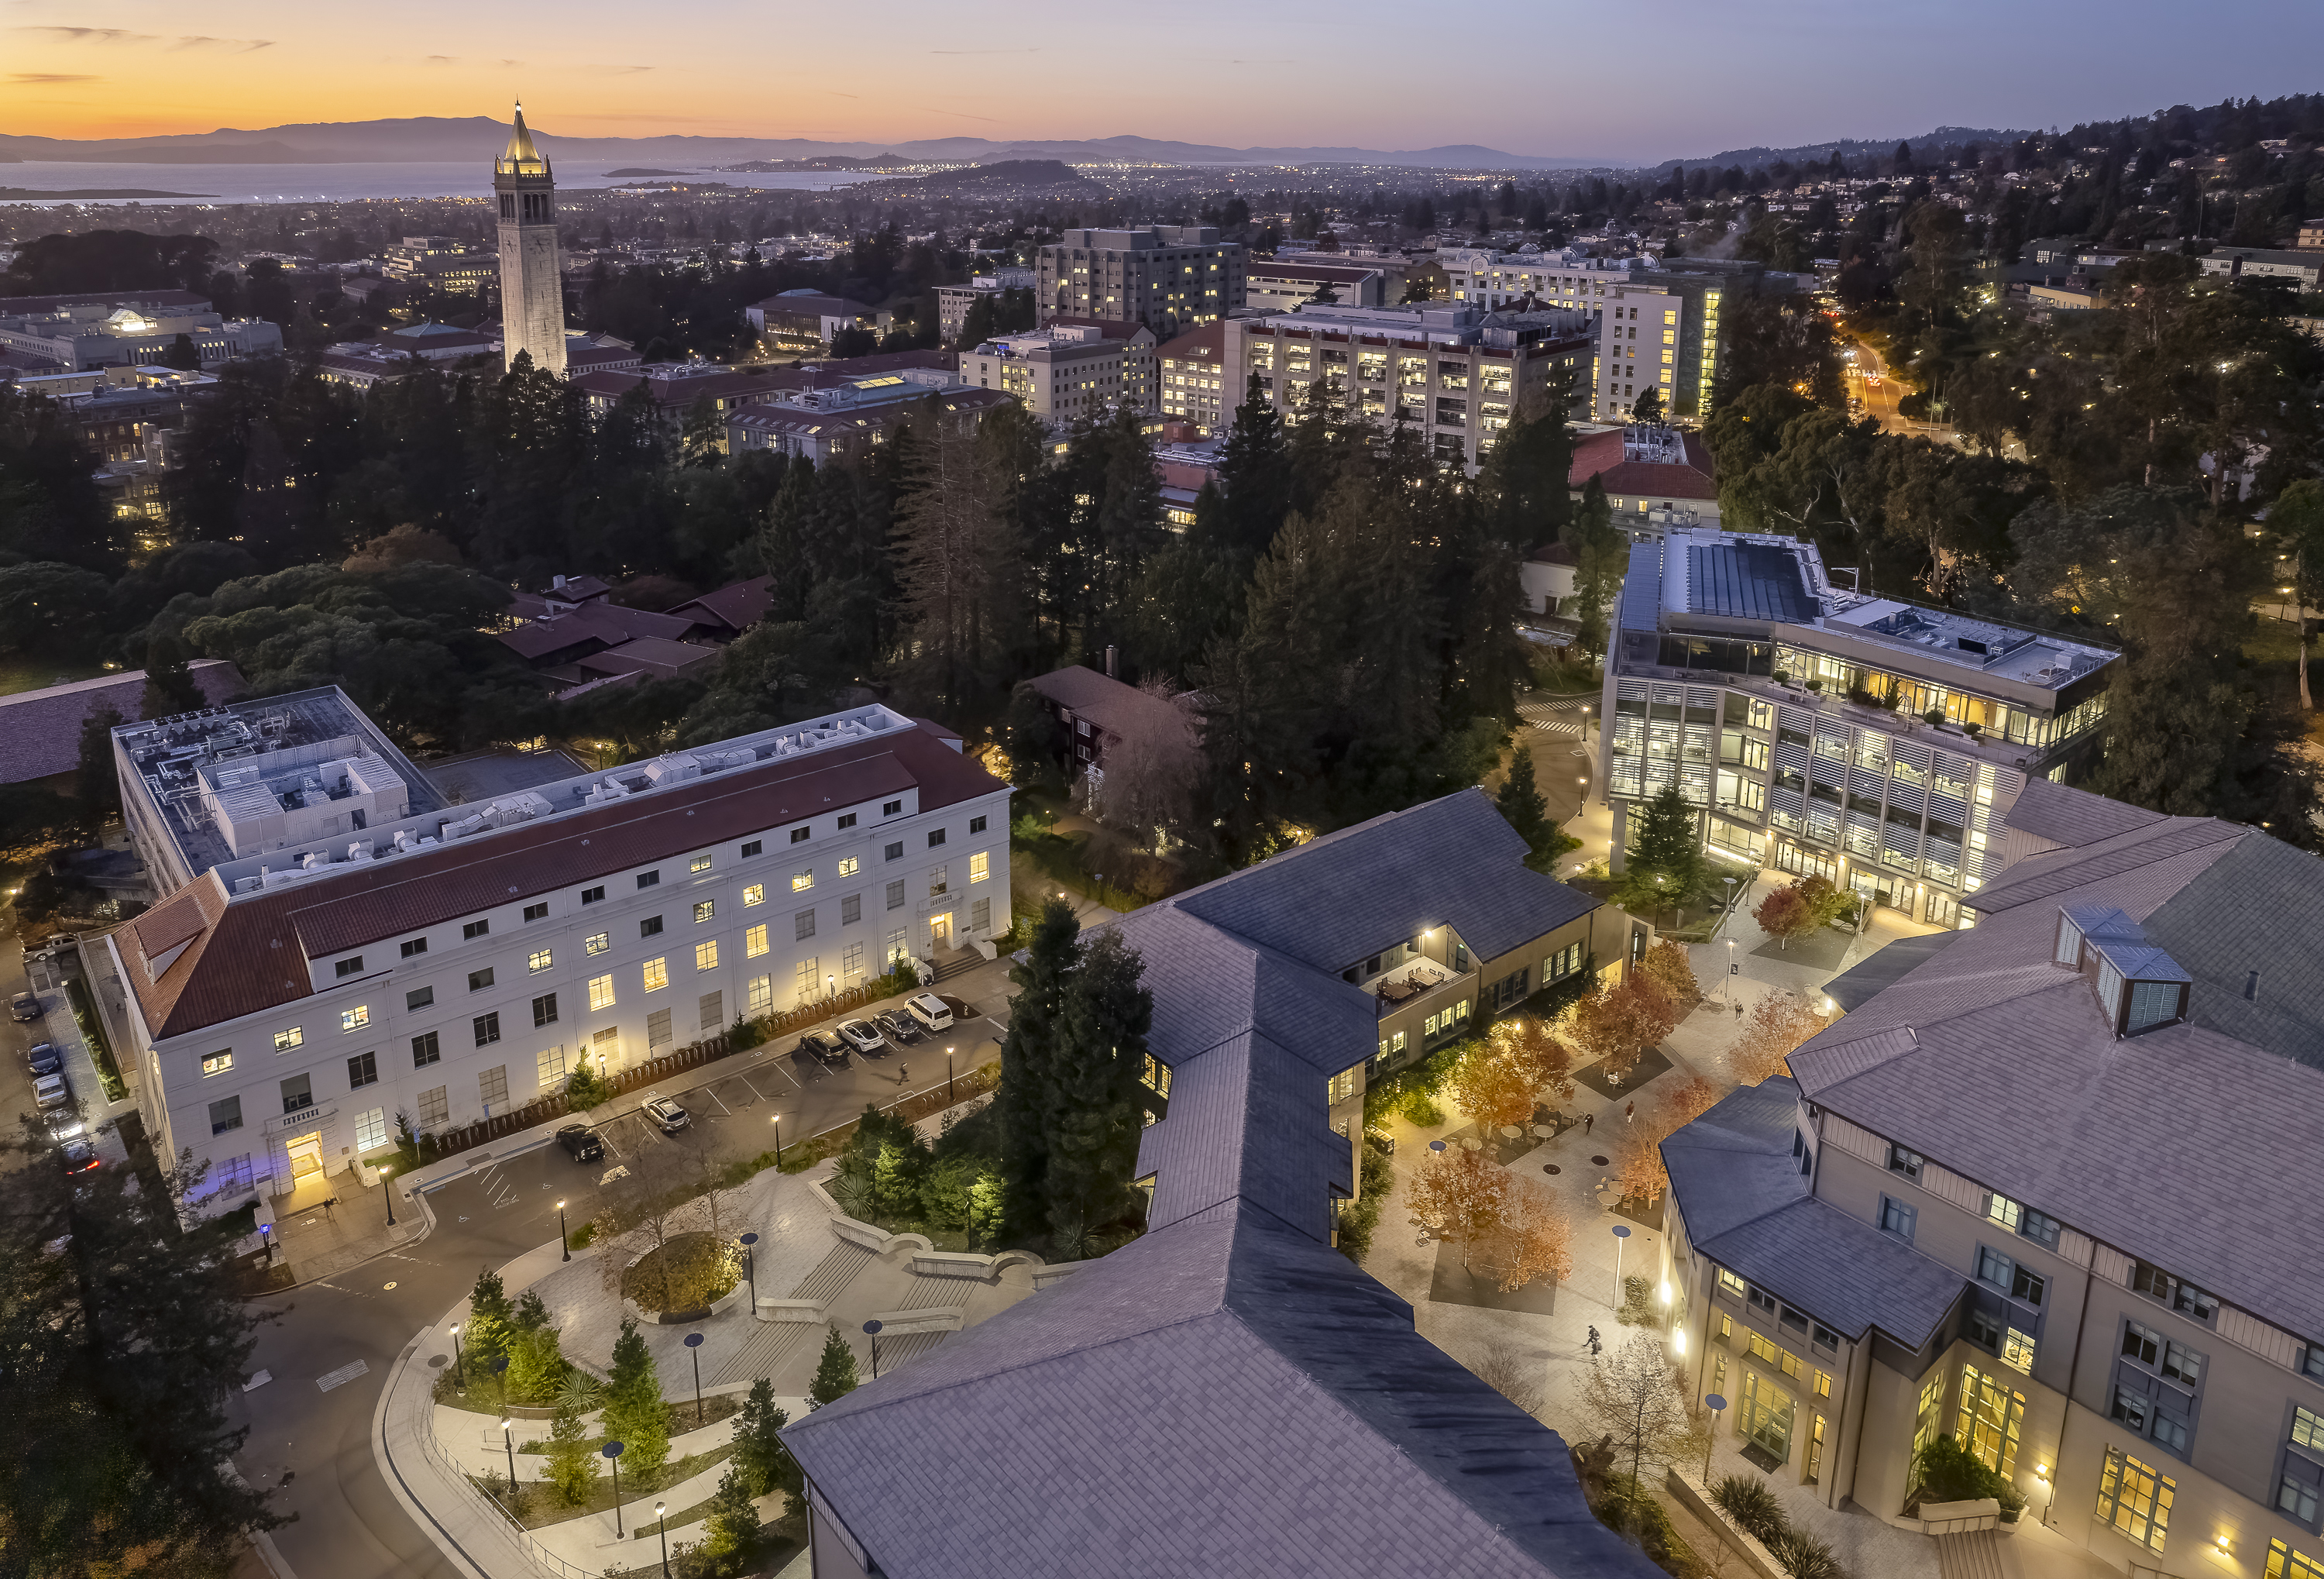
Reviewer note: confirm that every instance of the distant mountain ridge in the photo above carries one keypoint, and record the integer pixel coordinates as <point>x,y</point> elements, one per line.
<point>480,137</point>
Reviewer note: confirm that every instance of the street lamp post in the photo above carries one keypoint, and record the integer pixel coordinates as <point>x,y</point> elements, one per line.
<point>388,1184</point>
<point>694,1348</point>
<point>661,1523</point>
<point>750,1267</point>
<point>951,1095</point>
<point>612,1451</point>
<point>1717,1408</point>
<point>459,1364</point>
<point>508,1440</point>
<point>871,1330</point>
<point>778,1121</point>
<point>1622,1236</point>
<point>564,1238</point>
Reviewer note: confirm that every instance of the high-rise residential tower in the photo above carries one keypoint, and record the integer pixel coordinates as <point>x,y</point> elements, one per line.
<point>533,292</point>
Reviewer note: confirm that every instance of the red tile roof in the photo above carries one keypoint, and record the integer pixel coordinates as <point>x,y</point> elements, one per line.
<point>1599,454</point>
<point>238,965</point>
<point>1207,344</point>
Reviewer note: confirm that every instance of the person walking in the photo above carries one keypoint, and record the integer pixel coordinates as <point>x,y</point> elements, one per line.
<point>1630,1111</point>
<point>903,1074</point>
<point>1594,1344</point>
<point>1587,1121</point>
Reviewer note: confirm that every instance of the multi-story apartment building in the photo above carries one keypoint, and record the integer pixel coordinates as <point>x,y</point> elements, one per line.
<point>1655,478</point>
<point>1196,386</point>
<point>1281,284</point>
<point>349,946</point>
<point>1457,374</point>
<point>2031,1192</point>
<point>1067,371</point>
<point>1569,278</point>
<point>953,302</point>
<point>1793,714</point>
<point>1169,278</point>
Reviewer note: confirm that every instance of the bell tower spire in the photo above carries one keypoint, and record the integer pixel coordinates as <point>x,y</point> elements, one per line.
<point>532,287</point>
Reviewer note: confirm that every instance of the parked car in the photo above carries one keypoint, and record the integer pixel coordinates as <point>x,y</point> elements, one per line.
<point>863,1037</point>
<point>580,1142</point>
<point>77,1156</point>
<point>898,1027</point>
<point>666,1114</point>
<point>932,1012</point>
<point>24,1006</point>
<point>50,1091</point>
<point>44,1058</point>
<point>65,1124</point>
<point>825,1046</point>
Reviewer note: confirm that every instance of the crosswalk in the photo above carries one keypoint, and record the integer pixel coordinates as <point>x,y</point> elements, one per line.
<point>1551,720</point>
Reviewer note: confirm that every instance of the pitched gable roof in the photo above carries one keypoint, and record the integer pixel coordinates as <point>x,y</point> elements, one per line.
<point>1223,1396</point>
<point>40,731</point>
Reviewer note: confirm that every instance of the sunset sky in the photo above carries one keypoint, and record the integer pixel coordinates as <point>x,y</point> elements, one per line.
<point>1571,81</point>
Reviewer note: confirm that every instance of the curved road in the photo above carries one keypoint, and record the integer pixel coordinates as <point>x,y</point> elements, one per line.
<point>311,1442</point>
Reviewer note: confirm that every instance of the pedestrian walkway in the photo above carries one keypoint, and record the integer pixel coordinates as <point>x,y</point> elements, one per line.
<point>333,1222</point>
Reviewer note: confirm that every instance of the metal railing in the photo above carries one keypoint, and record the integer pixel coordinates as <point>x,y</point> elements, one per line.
<point>550,1561</point>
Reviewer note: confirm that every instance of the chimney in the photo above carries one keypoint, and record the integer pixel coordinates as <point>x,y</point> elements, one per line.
<point>557,582</point>
<point>1113,662</point>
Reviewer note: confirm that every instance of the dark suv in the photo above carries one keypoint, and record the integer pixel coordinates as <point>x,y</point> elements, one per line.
<point>580,1142</point>
<point>826,1047</point>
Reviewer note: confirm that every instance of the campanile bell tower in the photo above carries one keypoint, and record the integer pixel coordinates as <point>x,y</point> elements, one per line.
<point>532,289</point>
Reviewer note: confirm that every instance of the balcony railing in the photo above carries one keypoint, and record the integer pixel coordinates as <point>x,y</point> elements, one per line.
<point>1434,989</point>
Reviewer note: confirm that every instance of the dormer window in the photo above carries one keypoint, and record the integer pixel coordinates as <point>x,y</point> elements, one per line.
<point>2139,986</point>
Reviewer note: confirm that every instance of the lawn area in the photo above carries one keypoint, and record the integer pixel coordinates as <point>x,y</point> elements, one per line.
<point>34,673</point>
<point>543,1505</point>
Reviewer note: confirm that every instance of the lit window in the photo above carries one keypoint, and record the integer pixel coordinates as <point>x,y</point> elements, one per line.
<point>699,863</point>
<point>703,909</point>
<point>601,992</point>
<point>706,956</point>
<point>802,879</point>
<point>2135,1500</point>
<point>754,942</point>
<point>596,943</point>
<point>756,894</point>
<point>850,866</point>
<point>980,867</point>
<point>657,975</point>
<point>219,1062</point>
<point>540,959</point>
<point>354,1018</point>
<point>284,1040</point>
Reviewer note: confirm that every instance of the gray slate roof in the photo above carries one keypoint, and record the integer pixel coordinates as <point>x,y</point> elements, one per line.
<point>2003,1068</point>
<point>1881,969</point>
<point>1746,1206</point>
<point>1223,1396</point>
<point>2070,816</point>
<point>1333,901</point>
<point>1228,1394</point>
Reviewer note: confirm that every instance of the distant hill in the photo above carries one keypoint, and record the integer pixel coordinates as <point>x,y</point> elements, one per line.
<point>1848,148</point>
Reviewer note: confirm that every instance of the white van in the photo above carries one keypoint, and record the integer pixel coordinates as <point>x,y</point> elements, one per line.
<point>930,1009</point>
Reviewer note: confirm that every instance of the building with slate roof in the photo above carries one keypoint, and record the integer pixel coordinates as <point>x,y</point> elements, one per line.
<point>1228,1394</point>
<point>2046,1188</point>
<point>1719,637</point>
<point>350,946</point>
<point>40,731</point>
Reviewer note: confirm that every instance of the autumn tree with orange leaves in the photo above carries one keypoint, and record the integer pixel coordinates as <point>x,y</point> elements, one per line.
<point>1548,1062</point>
<point>1615,1026</point>
<point>1638,1171</point>
<point>1536,1238</point>
<point>1462,1194</point>
<point>1772,1034</point>
<point>1494,1087</point>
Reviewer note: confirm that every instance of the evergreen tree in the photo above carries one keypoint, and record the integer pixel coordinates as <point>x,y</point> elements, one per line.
<point>759,1450</point>
<point>834,1372</point>
<point>1603,556</point>
<point>1094,1111</point>
<point>1028,1057</point>
<point>1664,863</point>
<point>125,1333</point>
<point>96,784</point>
<point>1254,478</point>
<point>1525,486</point>
<point>731,1531</point>
<point>1522,807</point>
<point>1648,407</point>
<point>486,1335</point>
<point>572,1461</point>
<point>635,1413</point>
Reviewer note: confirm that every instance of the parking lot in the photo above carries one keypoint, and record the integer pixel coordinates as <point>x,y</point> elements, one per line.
<point>44,978</point>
